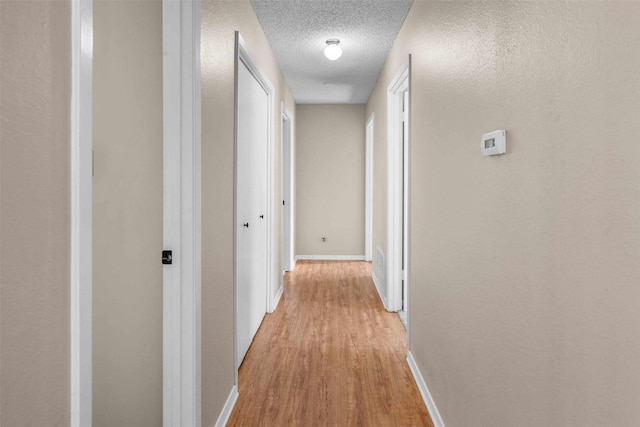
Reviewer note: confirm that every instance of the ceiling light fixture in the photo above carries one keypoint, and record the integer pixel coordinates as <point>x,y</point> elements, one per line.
<point>333,50</point>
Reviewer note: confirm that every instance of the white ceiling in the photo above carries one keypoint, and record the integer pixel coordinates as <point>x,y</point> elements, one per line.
<point>298,29</point>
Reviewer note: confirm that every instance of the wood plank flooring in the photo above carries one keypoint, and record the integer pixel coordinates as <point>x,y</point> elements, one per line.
<point>329,356</point>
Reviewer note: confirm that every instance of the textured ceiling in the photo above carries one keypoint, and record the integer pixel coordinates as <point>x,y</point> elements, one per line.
<point>298,29</point>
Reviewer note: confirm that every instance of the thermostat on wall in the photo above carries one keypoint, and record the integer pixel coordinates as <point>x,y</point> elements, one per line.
<point>494,143</point>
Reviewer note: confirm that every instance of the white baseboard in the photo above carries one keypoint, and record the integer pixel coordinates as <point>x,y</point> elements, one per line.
<point>377,283</point>
<point>276,300</point>
<point>228,407</point>
<point>292,266</point>
<point>424,391</point>
<point>402,314</point>
<point>331,257</point>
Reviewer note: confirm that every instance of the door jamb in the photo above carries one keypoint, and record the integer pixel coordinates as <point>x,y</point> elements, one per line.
<point>181,213</point>
<point>81,211</point>
<point>243,54</point>
<point>368,216</point>
<point>289,168</point>
<point>399,84</point>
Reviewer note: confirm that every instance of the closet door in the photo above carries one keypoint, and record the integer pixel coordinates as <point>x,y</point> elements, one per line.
<point>251,246</point>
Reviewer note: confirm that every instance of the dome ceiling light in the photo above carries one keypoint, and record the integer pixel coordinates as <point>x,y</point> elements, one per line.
<point>333,50</point>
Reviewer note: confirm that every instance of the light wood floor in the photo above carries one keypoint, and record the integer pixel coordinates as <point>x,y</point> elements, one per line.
<point>329,356</point>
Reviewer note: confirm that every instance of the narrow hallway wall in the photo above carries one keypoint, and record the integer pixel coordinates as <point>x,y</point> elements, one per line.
<point>525,272</point>
<point>330,180</point>
<point>35,215</point>
<point>220,20</point>
<point>127,213</point>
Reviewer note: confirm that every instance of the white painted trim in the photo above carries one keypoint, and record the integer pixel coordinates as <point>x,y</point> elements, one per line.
<point>278,296</point>
<point>289,206</point>
<point>402,314</point>
<point>330,257</point>
<point>424,391</point>
<point>223,418</point>
<point>181,213</point>
<point>368,216</point>
<point>394,188</point>
<point>81,211</point>
<point>407,209</point>
<point>376,282</point>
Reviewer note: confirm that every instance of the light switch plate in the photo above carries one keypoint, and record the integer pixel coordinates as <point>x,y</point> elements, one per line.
<point>494,143</point>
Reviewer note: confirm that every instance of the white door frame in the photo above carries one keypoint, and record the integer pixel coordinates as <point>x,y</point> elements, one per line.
<point>368,213</point>
<point>242,54</point>
<point>81,211</point>
<point>181,223</point>
<point>181,213</point>
<point>287,181</point>
<point>396,198</point>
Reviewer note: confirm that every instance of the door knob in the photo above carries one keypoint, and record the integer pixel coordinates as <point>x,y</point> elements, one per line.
<point>246,224</point>
<point>262,216</point>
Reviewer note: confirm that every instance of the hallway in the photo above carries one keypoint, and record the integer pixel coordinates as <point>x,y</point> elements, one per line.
<point>329,355</point>
<point>483,156</point>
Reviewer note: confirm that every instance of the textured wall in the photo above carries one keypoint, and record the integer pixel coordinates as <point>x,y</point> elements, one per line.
<point>525,268</point>
<point>127,213</point>
<point>330,179</point>
<point>220,19</point>
<point>35,118</point>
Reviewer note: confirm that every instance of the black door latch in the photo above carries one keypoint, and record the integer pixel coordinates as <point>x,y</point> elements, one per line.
<point>167,257</point>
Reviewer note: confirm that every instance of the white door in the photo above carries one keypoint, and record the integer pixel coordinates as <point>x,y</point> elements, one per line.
<point>251,255</point>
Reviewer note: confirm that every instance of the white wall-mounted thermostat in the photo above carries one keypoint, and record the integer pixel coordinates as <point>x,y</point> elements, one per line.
<point>494,143</point>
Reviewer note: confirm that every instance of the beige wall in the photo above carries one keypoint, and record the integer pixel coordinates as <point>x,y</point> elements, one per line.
<point>525,268</point>
<point>127,213</point>
<point>330,178</point>
<point>220,19</point>
<point>35,115</point>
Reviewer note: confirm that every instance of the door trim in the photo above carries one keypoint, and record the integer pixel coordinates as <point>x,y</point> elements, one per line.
<point>81,211</point>
<point>368,215</point>
<point>181,213</point>
<point>287,146</point>
<point>243,54</point>
<point>395,195</point>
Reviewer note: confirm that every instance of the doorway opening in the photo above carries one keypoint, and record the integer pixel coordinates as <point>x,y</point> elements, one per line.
<point>405,204</point>
<point>287,255</point>
<point>398,194</point>
<point>368,220</point>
